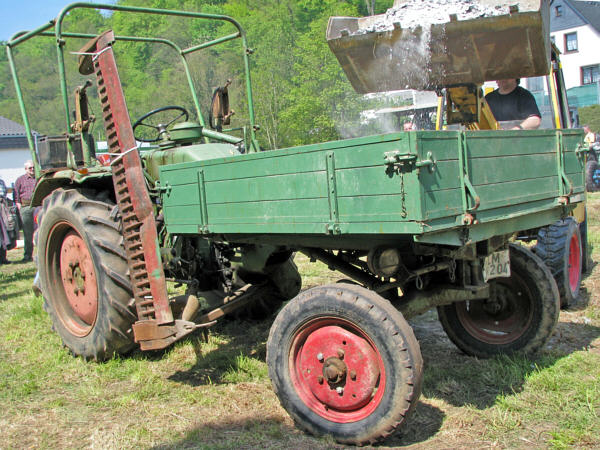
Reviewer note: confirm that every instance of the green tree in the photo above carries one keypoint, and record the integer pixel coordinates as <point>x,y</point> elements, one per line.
<point>590,115</point>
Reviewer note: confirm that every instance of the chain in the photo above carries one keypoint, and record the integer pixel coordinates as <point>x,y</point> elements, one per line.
<point>452,271</point>
<point>403,195</point>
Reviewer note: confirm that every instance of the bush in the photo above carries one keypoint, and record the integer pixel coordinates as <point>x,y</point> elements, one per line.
<point>590,115</point>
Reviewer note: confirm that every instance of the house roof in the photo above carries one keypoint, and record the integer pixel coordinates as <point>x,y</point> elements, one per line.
<point>10,128</point>
<point>589,10</point>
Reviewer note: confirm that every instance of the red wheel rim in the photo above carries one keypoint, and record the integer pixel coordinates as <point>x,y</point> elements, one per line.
<point>574,263</point>
<point>72,279</point>
<point>336,370</point>
<point>503,318</point>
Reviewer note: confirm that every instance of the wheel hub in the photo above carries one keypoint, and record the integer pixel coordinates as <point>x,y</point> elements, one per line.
<point>334,370</point>
<point>79,278</point>
<point>339,368</point>
<point>502,318</point>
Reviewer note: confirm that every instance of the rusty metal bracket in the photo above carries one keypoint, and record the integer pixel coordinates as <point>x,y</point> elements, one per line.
<point>153,336</point>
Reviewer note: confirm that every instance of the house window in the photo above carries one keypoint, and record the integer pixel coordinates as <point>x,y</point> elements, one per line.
<point>590,74</point>
<point>570,42</point>
<point>558,11</point>
<point>535,84</point>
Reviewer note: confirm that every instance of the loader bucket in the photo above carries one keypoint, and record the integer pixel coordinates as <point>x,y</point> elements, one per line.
<point>513,44</point>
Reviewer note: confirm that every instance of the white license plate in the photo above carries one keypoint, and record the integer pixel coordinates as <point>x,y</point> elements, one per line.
<point>496,265</point>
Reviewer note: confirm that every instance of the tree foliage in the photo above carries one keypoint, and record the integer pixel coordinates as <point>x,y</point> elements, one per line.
<point>590,115</point>
<point>300,92</point>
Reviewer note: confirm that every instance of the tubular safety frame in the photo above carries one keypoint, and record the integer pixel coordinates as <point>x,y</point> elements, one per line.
<point>57,24</point>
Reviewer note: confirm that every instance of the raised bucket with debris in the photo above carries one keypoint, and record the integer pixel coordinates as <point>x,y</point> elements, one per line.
<point>429,44</point>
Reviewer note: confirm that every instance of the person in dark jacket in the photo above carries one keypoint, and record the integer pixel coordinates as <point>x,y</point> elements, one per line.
<point>6,237</point>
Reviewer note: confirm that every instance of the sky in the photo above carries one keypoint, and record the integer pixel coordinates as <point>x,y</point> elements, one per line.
<point>26,15</point>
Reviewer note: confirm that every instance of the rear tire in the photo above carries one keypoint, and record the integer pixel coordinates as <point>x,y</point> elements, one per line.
<point>344,362</point>
<point>560,247</point>
<point>84,274</point>
<point>591,184</point>
<point>520,315</point>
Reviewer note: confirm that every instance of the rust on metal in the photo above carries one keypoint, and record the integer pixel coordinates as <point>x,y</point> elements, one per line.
<point>79,277</point>
<point>153,336</point>
<point>137,214</point>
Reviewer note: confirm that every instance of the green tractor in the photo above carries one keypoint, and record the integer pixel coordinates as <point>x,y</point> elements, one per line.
<point>417,220</point>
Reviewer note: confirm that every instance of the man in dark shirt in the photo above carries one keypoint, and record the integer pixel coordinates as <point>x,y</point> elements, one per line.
<point>24,187</point>
<point>512,102</point>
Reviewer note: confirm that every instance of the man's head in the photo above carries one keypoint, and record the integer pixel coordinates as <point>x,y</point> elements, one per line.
<point>507,86</point>
<point>587,129</point>
<point>29,168</point>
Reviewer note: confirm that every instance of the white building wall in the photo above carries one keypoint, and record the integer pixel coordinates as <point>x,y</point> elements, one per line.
<point>588,42</point>
<point>11,164</point>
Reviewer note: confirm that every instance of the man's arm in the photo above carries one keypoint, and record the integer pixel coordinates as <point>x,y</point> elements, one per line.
<point>531,123</point>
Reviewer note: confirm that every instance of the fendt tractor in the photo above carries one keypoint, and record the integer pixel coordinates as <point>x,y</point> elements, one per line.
<point>414,220</point>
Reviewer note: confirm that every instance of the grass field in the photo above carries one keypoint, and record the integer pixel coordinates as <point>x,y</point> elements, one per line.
<point>217,394</point>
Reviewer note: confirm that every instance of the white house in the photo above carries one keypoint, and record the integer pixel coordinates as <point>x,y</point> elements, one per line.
<point>575,29</point>
<point>14,150</point>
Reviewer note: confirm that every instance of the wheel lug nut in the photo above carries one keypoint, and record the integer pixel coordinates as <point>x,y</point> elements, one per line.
<point>320,379</point>
<point>353,374</point>
<point>340,353</point>
<point>339,390</point>
<point>320,357</point>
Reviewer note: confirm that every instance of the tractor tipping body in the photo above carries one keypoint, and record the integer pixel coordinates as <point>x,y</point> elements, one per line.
<point>415,220</point>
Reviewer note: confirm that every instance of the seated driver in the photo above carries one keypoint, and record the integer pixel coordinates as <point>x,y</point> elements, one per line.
<point>511,102</point>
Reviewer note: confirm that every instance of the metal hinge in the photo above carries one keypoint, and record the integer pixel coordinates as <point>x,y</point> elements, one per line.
<point>406,162</point>
<point>166,189</point>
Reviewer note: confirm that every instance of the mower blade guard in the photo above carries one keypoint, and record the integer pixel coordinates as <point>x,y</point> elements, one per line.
<point>457,52</point>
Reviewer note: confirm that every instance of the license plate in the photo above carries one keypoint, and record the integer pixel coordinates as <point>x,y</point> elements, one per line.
<point>496,265</point>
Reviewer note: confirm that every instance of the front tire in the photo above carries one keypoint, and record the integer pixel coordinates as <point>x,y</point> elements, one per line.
<point>84,274</point>
<point>519,316</point>
<point>344,362</point>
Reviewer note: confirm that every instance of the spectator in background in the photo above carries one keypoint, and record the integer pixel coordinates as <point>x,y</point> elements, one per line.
<point>24,187</point>
<point>4,237</point>
<point>590,137</point>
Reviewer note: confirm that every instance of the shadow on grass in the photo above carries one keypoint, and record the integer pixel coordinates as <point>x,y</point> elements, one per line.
<point>464,380</point>
<point>7,295</point>
<point>272,432</point>
<point>264,432</point>
<point>17,275</point>
<point>232,348</point>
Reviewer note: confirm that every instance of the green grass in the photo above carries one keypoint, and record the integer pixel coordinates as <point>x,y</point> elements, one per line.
<point>217,394</point>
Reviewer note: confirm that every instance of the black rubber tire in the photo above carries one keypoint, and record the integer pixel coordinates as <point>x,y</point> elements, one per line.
<point>98,224</point>
<point>531,283</point>
<point>585,255</point>
<point>378,322</point>
<point>591,184</point>
<point>554,248</point>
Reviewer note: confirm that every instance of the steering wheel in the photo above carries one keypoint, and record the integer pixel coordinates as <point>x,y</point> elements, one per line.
<point>160,128</point>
